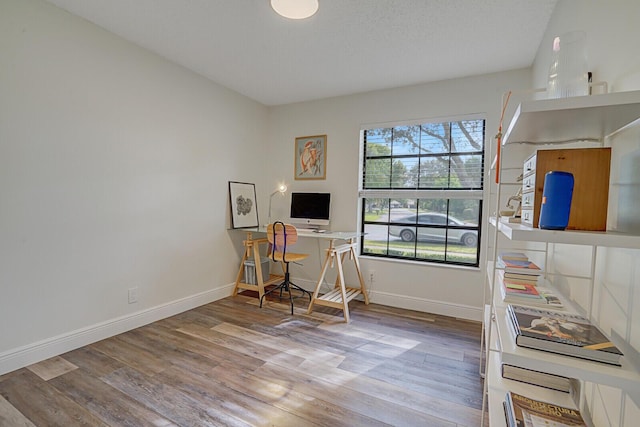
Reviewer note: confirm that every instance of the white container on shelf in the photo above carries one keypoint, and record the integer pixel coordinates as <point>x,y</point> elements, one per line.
<point>552,82</point>
<point>569,71</point>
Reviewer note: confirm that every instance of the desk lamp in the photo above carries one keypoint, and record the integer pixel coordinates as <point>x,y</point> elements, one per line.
<point>282,188</point>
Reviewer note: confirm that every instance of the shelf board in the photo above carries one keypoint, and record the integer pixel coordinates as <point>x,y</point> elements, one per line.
<point>334,298</point>
<point>273,278</point>
<point>611,239</point>
<point>580,118</point>
<point>498,387</point>
<point>624,377</point>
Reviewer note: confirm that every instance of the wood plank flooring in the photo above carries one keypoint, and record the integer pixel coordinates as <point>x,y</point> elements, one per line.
<point>230,363</point>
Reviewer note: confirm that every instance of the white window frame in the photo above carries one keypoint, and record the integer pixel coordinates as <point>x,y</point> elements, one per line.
<point>466,194</point>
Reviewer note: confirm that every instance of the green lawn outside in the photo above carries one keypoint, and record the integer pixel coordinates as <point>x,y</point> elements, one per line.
<point>433,251</point>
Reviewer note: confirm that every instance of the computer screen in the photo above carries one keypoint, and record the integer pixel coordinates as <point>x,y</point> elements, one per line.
<point>311,208</point>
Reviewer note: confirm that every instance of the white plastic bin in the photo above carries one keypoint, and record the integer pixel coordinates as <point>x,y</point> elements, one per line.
<point>250,270</point>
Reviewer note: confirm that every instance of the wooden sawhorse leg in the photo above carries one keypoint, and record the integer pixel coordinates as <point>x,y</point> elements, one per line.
<point>252,250</point>
<point>340,296</point>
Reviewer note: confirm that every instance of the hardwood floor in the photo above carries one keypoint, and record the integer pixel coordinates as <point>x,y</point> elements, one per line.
<point>230,363</point>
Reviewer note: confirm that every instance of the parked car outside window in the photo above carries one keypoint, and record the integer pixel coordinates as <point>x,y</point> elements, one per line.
<point>434,234</point>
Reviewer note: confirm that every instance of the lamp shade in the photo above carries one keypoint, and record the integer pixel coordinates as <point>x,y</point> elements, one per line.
<point>282,188</point>
<point>295,9</point>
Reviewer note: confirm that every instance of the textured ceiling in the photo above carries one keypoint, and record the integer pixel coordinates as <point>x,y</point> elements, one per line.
<point>349,46</point>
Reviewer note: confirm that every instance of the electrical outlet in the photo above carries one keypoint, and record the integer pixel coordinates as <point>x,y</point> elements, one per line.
<point>133,295</point>
<point>371,276</point>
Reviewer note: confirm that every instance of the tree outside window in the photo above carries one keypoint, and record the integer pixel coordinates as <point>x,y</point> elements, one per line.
<point>422,191</point>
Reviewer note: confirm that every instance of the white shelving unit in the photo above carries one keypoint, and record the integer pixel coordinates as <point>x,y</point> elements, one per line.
<point>625,376</point>
<point>499,387</point>
<point>610,239</point>
<point>554,121</point>
<point>580,118</point>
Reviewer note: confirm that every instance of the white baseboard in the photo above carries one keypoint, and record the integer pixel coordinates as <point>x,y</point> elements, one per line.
<point>36,352</point>
<point>410,303</point>
<point>428,306</point>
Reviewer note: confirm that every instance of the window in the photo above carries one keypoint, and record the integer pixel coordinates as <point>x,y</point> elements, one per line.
<point>422,191</point>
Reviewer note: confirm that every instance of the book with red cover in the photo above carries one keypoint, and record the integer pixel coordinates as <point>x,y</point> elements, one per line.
<point>519,266</point>
<point>521,290</point>
<point>527,296</point>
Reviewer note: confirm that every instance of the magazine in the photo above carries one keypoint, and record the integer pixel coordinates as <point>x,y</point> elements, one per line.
<point>563,333</point>
<point>551,298</point>
<point>522,411</point>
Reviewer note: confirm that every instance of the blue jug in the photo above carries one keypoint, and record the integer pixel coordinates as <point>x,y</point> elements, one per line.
<point>556,200</point>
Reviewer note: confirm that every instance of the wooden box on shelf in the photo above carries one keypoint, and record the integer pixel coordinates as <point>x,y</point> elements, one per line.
<point>590,169</point>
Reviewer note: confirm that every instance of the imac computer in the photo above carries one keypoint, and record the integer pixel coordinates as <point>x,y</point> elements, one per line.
<point>310,210</point>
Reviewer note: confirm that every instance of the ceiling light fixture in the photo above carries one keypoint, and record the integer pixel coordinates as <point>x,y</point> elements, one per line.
<point>295,9</point>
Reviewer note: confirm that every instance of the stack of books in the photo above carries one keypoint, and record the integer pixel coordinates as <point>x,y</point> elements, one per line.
<point>540,379</point>
<point>523,411</point>
<point>518,267</point>
<point>568,334</point>
<point>521,282</point>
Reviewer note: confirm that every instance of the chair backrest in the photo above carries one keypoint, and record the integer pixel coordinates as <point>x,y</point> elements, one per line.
<point>281,235</point>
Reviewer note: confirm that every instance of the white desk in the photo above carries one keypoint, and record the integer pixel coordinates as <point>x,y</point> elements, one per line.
<point>339,296</point>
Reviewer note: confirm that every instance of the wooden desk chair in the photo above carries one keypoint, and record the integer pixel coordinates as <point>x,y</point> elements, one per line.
<point>281,236</point>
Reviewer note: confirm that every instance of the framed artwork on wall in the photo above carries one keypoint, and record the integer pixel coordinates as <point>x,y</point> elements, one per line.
<point>311,157</point>
<point>244,210</point>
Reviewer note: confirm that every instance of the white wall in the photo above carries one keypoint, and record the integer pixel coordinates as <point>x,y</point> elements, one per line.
<point>612,34</point>
<point>437,289</point>
<point>611,29</point>
<point>114,166</point>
